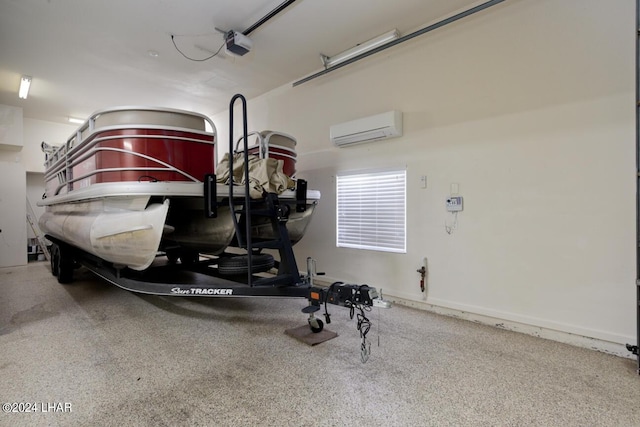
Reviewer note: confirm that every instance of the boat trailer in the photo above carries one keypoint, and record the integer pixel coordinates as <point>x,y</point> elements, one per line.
<point>249,273</point>
<point>202,279</point>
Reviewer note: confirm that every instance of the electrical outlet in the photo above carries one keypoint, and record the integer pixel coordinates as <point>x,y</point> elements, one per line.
<point>454,204</point>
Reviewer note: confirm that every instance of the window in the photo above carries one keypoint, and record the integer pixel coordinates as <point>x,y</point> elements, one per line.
<point>371,211</point>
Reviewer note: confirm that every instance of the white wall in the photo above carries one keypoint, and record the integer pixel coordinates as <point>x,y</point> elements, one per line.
<point>10,129</point>
<point>13,231</point>
<point>529,107</point>
<point>36,131</point>
<point>21,176</point>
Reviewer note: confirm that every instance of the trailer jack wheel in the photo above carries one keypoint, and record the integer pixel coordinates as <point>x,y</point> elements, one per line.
<point>315,324</point>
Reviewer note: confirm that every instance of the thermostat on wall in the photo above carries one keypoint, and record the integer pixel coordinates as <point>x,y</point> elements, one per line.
<point>454,204</point>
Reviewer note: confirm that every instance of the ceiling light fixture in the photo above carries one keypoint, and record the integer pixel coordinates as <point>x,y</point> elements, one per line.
<point>25,83</point>
<point>359,49</point>
<point>76,121</point>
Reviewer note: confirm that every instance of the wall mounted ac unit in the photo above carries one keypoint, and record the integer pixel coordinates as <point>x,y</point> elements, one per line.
<point>372,128</point>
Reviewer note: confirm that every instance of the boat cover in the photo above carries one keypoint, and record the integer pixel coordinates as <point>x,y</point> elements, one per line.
<point>264,174</point>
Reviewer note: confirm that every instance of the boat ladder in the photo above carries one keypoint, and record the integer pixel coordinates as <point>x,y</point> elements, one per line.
<point>269,207</point>
<point>32,220</point>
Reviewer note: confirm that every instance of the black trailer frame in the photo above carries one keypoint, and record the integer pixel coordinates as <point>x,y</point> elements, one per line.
<point>169,279</point>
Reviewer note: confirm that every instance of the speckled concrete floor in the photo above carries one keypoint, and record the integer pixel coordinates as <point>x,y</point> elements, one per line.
<point>122,359</point>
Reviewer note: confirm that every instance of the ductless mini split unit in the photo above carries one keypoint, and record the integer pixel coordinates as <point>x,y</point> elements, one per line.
<point>366,129</point>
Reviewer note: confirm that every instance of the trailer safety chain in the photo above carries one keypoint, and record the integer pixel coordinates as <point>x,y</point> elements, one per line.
<point>359,299</point>
<point>364,325</point>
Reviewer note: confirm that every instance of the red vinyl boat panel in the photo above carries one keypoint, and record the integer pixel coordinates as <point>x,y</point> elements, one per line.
<point>192,153</point>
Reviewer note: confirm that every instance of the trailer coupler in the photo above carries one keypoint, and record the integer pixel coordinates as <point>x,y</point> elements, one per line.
<point>359,299</point>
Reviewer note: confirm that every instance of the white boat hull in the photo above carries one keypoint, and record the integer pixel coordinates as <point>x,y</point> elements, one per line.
<point>100,227</point>
<point>121,223</point>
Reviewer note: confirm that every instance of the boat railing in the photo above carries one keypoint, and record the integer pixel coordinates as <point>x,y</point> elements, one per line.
<point>77,155</point>
<point>58,157</point>
<point>283,149</point>
<point>91,124</point>
<point>247,137</point>
<point>150,169</point>
<point>264,145</point>
<point>61,161</point>
<point>66,178</point>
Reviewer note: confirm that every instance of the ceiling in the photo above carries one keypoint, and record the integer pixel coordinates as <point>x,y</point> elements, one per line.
<point>90,55</point>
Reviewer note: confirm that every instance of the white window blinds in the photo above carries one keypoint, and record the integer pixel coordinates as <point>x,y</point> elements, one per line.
<point>371,211</point>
